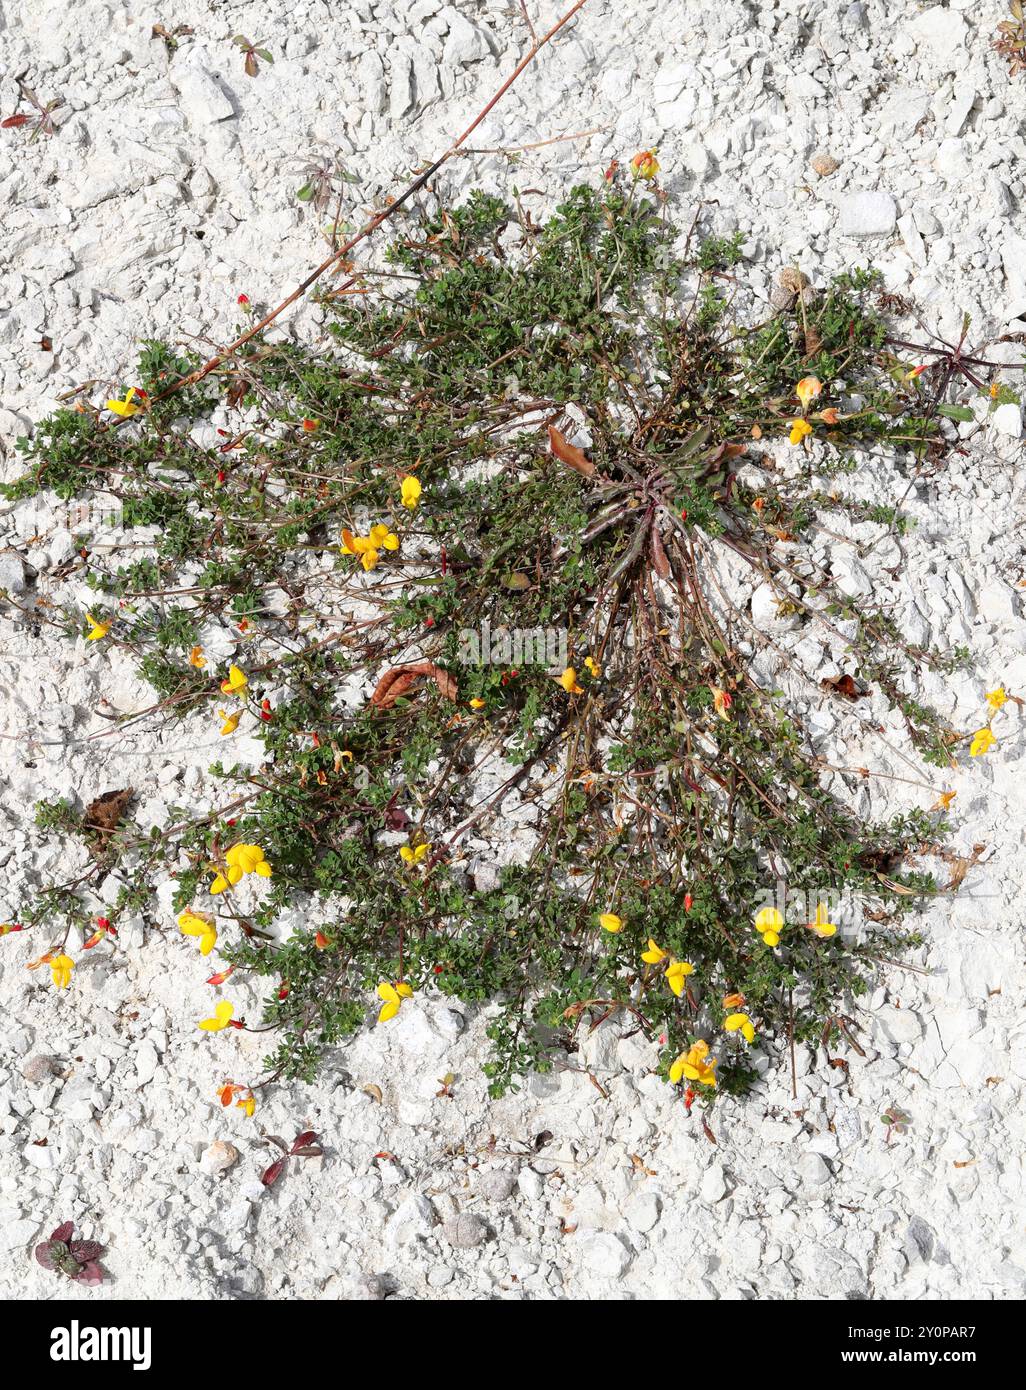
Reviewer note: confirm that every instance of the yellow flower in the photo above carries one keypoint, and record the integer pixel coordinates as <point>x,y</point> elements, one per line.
<point>222,1018</point>
<point>231,722</point>
<point>125,408</point>
<point>733,1001</point>
<point>247,1105</point>
<point>240,860</point>
<point>645,164</point>
<point>695,1065</point>
<point>236,682</point>
<point>609,921</point>
<point>414,854</point>
<point>996,698</point>
<point>369,547</point>
<point>721,702</point>
<point>96,628</point>
<point>592,667</point>
<point>411,490</point>
<point>477,703</point>
<point>822,926</point>
<point>740,1023</point>
<point>60,968</point>
<point>676,973</point>
<point>249,858</point>
<point>769,923</point>
<point>393,995</point>
<point>983,741</point>
<point>654,954</point>
<point>944,801</point>
<point>807,390</point>
<point>198,924</point>
<point>197,659</point>
<point>568,680</point>
<point>799,430</point>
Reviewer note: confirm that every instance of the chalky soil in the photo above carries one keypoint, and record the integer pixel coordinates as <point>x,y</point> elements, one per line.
<point>830,136</point>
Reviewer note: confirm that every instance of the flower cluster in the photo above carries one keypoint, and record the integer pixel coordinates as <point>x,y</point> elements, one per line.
<point>369,547</point>
<point>240,860</point>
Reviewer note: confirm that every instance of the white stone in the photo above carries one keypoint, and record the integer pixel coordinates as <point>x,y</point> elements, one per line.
<point>201,96</point>
<point>942,34</point>
<point>642,1211</point>
<point>603,1254</point>
<point>412,1220</point>
<point>867,214</point>
<point>713,1187</point>
<point>814,1169</point>
<point>218,1157</point>
<point>1007,419</point>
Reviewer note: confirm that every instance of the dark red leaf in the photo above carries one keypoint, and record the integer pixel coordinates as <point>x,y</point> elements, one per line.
<point>45,1254</point>
<point>312,1151</point>
<point>86,1250</point>
<point>89,1274</point>
<point>63,1232</point>
<point>12,121</point>
<point>302,1140</point>
<point>273,1173</point>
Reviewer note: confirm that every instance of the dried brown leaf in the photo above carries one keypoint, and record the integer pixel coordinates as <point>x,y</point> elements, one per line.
<point>570,454</point>
<point>399,680</point>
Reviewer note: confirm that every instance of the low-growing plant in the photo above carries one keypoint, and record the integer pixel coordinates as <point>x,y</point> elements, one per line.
<point>1012,42</point>
<point>76,1259</point>
<point>524,428</point>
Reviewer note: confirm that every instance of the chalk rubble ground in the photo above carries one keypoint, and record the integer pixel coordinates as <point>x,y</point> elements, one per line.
<point>167,193</point>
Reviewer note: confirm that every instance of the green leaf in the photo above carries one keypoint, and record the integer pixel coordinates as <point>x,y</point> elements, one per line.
<point>305,193</point>
<point>956,412</point>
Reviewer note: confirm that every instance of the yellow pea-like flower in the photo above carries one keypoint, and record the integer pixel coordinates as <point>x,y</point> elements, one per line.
<point>609,921</point>
<point>695,1065</point>
<point>199,925</point>
<point>411,490</point>
<point>127,407</point>
<point>236,682</point>
<point>97,629</point>
<point>740,1023</point>
<point>393,996</point>
<point>822,925</point>
<point>769,923</point>
<point>983,742</point>
<point>676,973</point>
<point>60,968</point>
<point>800,429</point>
<point>222,1018</point>
<point>654,954</point>
<point>414,854</point>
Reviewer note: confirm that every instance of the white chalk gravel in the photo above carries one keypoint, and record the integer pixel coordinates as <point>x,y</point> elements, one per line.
<point>168,190</point>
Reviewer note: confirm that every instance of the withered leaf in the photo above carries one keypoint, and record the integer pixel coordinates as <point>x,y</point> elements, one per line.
<point>570,454</point>
<point>843,685</point>
<point>104,814</point>
<point>272,1174</point>
<point>517,581</point>
<point>398,680</point>
<point>660,563</point>
<point>374,1091</point>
